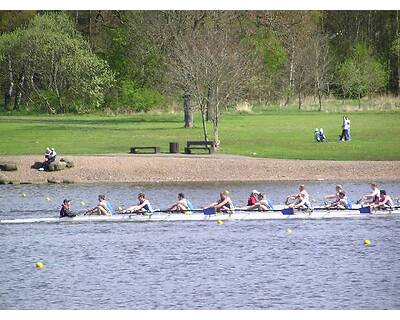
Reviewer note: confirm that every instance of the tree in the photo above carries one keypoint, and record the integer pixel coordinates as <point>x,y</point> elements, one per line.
<point>57,63</point>
<point>321,67</point>
<point>361,74</point>
<point>14,82</point>
<point>212,65</point>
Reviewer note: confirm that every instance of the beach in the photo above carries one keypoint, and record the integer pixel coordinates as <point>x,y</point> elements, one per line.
<point>126,168</point>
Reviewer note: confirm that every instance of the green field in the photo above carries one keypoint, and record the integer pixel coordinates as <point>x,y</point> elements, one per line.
<point>286,135</point>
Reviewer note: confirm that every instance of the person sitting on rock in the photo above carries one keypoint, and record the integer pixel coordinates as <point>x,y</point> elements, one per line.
<point>49,158</point>
<point>46,159</point>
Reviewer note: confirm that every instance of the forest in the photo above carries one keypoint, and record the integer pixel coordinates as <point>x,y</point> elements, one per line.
<point>59,62</point>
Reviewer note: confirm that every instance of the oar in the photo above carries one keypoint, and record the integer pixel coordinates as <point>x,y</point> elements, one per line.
<point>212,210</point>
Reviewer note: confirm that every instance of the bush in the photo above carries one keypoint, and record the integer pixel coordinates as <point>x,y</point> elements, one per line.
<point>138,99</point>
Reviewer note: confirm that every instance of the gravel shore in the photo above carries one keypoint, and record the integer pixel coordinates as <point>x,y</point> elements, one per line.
<point>187,168</point>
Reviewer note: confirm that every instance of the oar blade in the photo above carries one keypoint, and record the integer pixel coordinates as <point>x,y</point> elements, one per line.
<point>209,211</point>
<point>287,211</point>
<point>365,210</point>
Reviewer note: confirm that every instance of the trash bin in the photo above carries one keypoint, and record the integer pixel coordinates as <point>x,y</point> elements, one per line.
<point>173,147</point>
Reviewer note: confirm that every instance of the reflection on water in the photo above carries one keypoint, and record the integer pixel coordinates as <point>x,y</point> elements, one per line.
<point>194,265</point>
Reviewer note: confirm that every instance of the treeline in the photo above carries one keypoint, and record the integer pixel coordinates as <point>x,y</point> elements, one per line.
<point>80,61</point>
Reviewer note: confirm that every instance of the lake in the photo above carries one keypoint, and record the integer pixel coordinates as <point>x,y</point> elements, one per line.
<point>323,264</point>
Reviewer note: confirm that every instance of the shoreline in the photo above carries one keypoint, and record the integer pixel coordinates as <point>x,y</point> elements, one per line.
<point>176,168</point>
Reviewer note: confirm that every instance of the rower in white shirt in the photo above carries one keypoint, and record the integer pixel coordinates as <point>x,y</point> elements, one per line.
<point>372,197</point>
<point>302,198</point>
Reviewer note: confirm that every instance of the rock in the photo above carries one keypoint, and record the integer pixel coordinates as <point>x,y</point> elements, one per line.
<point>66,181</point>
<point>69,163</point>
<point>37,165</point>
<point>3,180</point>
<point>50,180</point>
<point>8,166</point>
<point>57,166</point>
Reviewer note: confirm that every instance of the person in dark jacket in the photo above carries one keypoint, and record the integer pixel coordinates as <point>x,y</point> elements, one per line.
<point>66,209</point>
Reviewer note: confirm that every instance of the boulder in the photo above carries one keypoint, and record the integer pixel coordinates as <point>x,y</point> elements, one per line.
<point>8,166</point>
<point>3,180</point>
<point>37,165</point>
<point>57,166</point>
<point>68,163</point>
<point>66,181</point>
<point>50,180</point>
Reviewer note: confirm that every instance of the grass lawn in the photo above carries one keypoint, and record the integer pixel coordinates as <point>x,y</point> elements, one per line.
<point>286,135</point>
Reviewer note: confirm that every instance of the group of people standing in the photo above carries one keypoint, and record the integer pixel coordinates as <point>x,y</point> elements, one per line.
<point>376,199</point>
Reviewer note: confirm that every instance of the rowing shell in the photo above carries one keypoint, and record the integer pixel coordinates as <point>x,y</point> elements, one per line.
<point>238,215</point>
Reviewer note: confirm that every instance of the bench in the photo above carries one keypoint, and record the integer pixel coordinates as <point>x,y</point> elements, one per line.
<point>153,149</point>
<point>200,145</point>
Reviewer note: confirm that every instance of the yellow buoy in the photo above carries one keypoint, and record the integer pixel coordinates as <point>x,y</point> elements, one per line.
<point>289,231</point>
<point>39,265</point>
<point>24,195</point>
<point>48,199</point>
<point>220,222</point>
<point>367,242</point>
<point>83,203</point>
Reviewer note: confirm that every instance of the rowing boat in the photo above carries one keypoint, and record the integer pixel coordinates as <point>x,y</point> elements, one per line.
<point>237,215</point>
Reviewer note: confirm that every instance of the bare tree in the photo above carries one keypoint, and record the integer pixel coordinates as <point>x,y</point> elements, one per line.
<point>322,65</point>
<point>213,66</point>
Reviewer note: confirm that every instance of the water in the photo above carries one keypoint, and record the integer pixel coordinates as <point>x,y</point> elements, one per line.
<point>194,265</point>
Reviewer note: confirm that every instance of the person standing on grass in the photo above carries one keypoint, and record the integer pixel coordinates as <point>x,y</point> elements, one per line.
<point>346,128</point>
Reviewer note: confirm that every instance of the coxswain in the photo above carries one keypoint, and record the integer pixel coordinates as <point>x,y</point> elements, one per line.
<point>66,209</point>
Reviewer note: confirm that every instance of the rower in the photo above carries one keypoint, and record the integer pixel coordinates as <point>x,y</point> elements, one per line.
<point>301,202</point>
<point>262,204</point>
<point>252,198</point>
<point>334,197</point>
<point>182,205</point>
<point>66,209</point>
<point>385,201</point>
<point>371,198</point>
<point>341,203</point>
<point>102,208</point>
<point>301,197</point>
<point>143,207</point>
<point>224,203</point>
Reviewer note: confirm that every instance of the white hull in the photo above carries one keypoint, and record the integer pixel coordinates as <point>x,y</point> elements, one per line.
<point>238,215</point>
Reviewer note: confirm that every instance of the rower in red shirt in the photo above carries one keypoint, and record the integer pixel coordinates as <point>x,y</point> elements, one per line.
<point>253,198</point>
